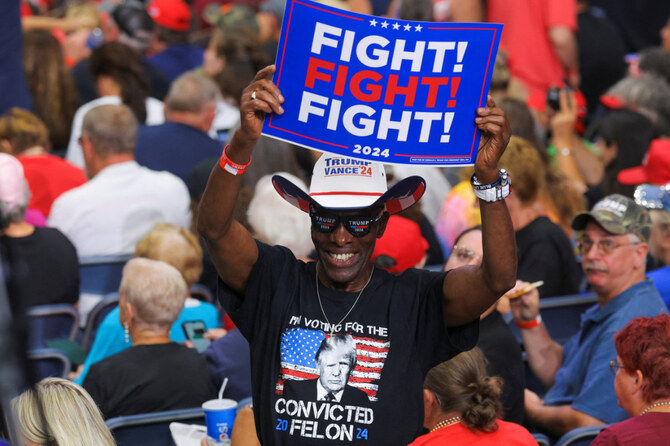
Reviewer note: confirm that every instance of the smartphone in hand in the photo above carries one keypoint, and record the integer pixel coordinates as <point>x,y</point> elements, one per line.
<point>195,332</point>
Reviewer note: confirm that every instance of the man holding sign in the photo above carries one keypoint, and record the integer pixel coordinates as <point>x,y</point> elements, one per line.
<point>402,324</point>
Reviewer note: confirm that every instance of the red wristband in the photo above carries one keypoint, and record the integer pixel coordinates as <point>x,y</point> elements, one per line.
<point>530,324</point>
<point>231,166</point>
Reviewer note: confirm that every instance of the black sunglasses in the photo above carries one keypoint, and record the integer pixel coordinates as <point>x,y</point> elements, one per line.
<point>357,225</point>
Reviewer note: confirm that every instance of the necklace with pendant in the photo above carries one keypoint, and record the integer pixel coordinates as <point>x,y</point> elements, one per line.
<point>318,295</point>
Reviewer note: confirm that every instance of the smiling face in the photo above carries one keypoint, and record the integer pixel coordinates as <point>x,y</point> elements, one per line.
<point>344,259</point>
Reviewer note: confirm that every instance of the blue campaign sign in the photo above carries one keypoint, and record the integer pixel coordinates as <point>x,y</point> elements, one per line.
<point>381,89</point>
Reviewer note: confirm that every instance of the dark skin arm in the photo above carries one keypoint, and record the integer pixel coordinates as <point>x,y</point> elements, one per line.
<point>230,245</point>
<point>470,290</point>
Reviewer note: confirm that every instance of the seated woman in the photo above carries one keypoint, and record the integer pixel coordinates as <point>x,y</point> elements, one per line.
<point>155,374</point>
<point>642,383</point>
<point>68,415</point>
<point>462,406</point>
<point>174,246</point>
<point>496,340</point>
<point>43,264</point>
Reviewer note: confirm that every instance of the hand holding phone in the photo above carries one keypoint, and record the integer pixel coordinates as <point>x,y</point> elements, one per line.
<point>195,332</point>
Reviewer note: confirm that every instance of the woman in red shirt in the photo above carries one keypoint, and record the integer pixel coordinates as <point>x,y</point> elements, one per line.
<point>462,406</point>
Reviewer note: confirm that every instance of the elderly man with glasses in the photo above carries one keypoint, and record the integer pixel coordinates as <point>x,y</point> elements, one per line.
<point>613,243</point>
<point>402,324</point>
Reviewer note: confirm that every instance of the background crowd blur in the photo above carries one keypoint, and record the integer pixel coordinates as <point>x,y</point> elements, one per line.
<point>113,113</point>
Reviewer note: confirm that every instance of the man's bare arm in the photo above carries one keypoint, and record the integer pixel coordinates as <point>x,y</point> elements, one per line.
<point>564,41</point>
<point>469,291</point>
<point>556,420</point>
<point>230,245</point>
<point>545,356</point>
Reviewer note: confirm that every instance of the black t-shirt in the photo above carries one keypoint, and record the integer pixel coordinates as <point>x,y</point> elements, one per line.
<point>503,352</point>
<point>43,268</point>
<point>545,253</point>
<point>149,378</point>
<point>399,331</point>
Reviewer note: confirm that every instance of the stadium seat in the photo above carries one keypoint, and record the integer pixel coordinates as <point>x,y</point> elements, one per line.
<point>49,362</point>
<point>582,436</point>
<point>51,322</point>
<point>95,318</point>
<point>151,429</point>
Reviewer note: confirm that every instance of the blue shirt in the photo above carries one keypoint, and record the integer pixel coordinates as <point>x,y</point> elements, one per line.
<point>174,147</point>
<point>585,380</point>
<point>661,279</point>
<point>177,59</point>
<point>110,338</point>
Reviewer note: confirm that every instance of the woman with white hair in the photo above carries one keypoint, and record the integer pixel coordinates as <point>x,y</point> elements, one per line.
<point>44,268</point>
<point>155,374</point>
<point>58,411</point>
<point>177,247</point>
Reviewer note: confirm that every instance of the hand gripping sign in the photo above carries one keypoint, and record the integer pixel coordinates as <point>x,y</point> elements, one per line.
<point>380,89</point>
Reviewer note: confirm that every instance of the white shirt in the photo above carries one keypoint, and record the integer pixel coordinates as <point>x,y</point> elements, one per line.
<point>155,116</point>
<point>321,393</point>
<point>227,117</point>
<point>114,210</point>
<point>437,187</point>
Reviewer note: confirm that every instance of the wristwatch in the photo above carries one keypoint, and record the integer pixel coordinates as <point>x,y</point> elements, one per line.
<point>498,190</point>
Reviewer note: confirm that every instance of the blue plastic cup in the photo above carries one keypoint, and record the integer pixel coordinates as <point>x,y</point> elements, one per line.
<point>219,417</point>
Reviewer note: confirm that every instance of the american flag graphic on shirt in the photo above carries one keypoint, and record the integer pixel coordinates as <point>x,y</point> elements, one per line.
<point>298,350</point>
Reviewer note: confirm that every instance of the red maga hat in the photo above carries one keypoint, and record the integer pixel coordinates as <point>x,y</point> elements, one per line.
<point>172,14</point>
<point>655,168</point>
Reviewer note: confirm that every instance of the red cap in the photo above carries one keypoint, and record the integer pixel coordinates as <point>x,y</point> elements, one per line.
<point>172,14</point>
<point>655,168</point>
<point>402,241</point>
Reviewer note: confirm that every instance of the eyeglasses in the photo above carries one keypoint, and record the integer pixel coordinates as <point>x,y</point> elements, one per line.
<point>357,225</point>
<point>464,255</point>
<point>605,246</point>
<point>615,366</point>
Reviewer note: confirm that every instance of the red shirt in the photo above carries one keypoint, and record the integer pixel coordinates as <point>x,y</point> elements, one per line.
<point>508,434</point>
<point>525,38</point>
<point>48,176</point>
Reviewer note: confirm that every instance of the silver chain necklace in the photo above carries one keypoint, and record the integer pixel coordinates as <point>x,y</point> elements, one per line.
<point>662,403</point>
<point>318,296</point>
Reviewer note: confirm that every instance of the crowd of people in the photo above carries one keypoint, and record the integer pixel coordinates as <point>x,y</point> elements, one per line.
<point>378,310</point>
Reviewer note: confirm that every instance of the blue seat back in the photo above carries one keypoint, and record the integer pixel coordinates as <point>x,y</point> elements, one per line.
<point>101,274</point>
<point>49,362</point>
<point>152,429</point>
<point>50,322</point>
<point>95,318</point>
<point>582,436</point>
<point>542,440</point>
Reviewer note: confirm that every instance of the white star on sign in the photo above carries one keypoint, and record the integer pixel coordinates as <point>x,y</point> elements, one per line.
<point>396,26</point>
<point>418,28</point>
<point>385,24</point>
<point>407,27</point>
<point>373,22</point>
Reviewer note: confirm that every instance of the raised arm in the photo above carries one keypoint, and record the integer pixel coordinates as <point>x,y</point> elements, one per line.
<point>545,355</point>
<point>469,290</point>
<point>230,245</point>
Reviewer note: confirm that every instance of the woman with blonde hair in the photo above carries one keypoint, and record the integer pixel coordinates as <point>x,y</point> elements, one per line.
<point>68,415</point>
<point>544,250</point>
<point>462,406</point>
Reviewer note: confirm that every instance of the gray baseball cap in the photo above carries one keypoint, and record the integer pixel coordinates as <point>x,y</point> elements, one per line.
<point>618,215</point>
